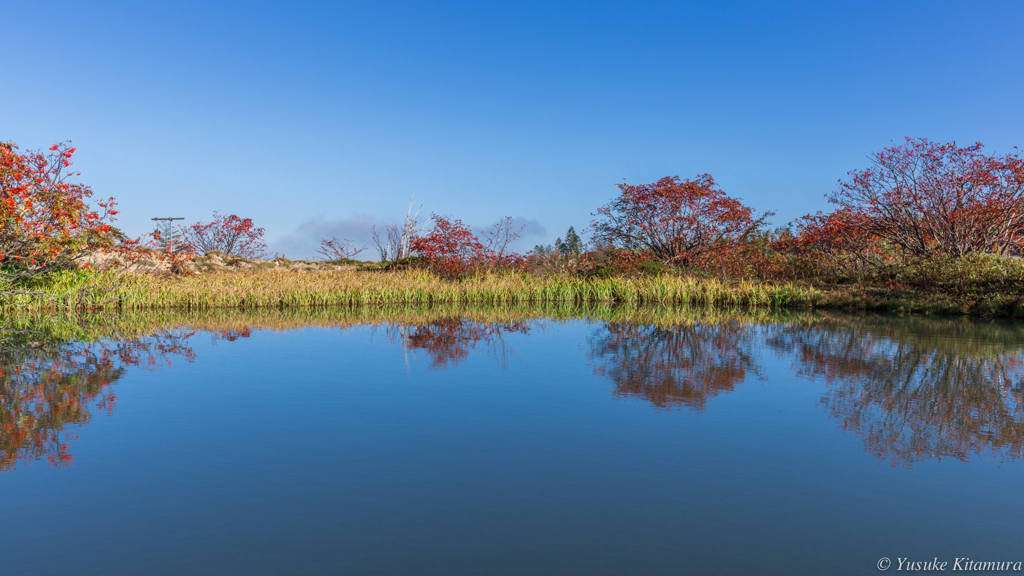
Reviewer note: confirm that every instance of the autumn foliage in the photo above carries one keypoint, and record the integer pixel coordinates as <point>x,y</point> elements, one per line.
<point>48,388</point>
<point>448,341</point>
<point>47,222</point>
<point>230,234</point>
<point>930,199</point>
<point>676,221</point>
<point>917,200</point>
<point>450,247</point>
<point>670,366</point>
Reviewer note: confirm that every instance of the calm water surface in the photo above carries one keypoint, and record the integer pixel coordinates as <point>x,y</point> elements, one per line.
<point>644,444</point>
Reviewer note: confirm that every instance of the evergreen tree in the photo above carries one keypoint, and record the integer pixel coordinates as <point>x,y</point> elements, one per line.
<point>572,246</point>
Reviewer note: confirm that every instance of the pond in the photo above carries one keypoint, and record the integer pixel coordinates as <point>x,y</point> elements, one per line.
<point>510,441</point>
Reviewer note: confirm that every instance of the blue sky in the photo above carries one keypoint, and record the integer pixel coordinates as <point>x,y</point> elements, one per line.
<point>319,119</point>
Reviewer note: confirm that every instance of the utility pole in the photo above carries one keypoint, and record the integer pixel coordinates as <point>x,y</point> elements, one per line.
<point>165,233</point>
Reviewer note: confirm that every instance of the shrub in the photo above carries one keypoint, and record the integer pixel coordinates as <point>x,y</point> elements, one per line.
<point>450,248</point>
<point>46,222</point>
<point>138,254</point>
<point>676,220</point>
<point>232,235</point>
<point>334,249</point>
<point>497,238</point>
<point>837,244</point>
<point>933,199</point>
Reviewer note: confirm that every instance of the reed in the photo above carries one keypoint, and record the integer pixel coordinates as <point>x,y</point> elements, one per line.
<point>255,289</point>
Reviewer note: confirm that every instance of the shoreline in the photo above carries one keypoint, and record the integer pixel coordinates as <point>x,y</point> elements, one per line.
<point>254,287</point>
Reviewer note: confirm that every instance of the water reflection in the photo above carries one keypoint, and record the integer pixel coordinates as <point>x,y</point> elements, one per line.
<point>48,386</point>
<point>682,365</point>
<point>448,341</point>
<point>912,389</point>
<point>916,389</point>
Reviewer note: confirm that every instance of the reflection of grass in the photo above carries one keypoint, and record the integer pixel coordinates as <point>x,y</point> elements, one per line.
<point>280,289</point>
<point>978,335</point>
<point>39,327</point>
<point>92,327</point>
<point>974,337</point>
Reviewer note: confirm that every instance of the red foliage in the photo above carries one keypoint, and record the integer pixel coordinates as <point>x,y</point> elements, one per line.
<point>669,366</point>
<point>49,387</point>
<point>936,199</point>
<point>620,261</point>
<point>231,235</point>
<point>842,238</point>
<point>46,222</point>
<point>675,220</point>
<point>451,248</point>
<point>134,252</point>
<point>449,341</point>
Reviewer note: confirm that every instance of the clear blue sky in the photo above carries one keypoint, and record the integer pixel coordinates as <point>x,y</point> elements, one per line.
<point>322,118</point>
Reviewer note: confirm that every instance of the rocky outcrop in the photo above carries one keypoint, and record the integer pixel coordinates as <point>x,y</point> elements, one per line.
<point>211,262</point>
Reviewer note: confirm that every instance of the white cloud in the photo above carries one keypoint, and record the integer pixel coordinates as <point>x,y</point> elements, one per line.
<point>305,240</point>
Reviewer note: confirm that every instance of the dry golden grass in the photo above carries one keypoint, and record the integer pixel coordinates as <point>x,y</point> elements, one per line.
<point>283,289</point>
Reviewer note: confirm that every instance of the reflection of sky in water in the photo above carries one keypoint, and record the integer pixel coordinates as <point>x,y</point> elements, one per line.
<point>517,447</point>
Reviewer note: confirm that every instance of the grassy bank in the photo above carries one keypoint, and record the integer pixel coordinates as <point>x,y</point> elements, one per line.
<point>254,289</point>
<point>978,286</point>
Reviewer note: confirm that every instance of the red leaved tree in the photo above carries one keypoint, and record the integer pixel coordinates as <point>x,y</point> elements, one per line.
<point>676,220</point>
<point>841,240</point>
<point>937,199</point>
<point>232,235</point>
<point>450,247</point>
<point>47,222</point>
<point>142,254</point>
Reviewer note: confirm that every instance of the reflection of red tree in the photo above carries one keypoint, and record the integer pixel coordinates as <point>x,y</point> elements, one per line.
<point>913,395</point>
<point>912,389</point>
<point>47,387</point>
<point>677,365</point>
<point>232,335</point>
<point>448,342</point>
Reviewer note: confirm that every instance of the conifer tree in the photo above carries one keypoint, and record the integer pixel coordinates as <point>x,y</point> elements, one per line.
<point>572,246</point>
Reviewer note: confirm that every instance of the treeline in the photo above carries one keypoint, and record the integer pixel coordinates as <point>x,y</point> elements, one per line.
<point>917,200</point>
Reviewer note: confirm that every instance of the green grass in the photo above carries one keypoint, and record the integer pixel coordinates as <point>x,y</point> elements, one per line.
<point>979,286</point>
<point>982,285</point>
<point>255,289</point>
